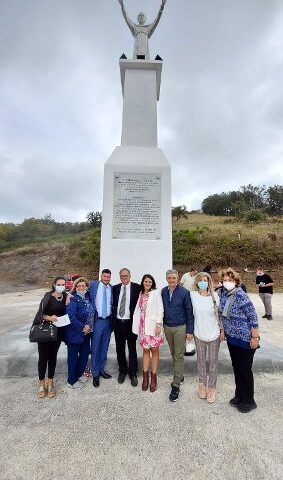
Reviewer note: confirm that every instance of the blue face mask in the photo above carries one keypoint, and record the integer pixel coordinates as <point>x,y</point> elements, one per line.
<point>203,285</point>
<point>82,294</point>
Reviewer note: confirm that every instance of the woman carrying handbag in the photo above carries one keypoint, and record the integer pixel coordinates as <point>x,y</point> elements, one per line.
<point>52,306</point>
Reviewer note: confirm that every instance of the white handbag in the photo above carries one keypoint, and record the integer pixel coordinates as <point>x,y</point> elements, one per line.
<point>190,348</point>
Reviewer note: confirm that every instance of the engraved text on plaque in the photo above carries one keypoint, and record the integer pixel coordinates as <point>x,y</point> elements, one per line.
<point>136,209</point>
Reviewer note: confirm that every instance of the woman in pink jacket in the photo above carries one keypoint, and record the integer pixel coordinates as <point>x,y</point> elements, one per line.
<point>147,324</point>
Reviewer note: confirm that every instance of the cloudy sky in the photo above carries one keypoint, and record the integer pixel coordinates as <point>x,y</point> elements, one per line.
<point>220,113</point>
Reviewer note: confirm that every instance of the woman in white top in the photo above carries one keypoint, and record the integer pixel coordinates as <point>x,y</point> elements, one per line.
<point>147,324</point>
<point>208,333</point>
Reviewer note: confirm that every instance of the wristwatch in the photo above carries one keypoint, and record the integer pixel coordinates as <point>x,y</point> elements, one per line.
<point>256,338</point>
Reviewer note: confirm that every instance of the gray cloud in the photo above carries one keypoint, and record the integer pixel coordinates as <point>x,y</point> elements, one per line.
<point>220,111</point>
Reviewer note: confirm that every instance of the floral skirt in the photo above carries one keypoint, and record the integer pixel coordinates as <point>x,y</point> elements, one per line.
<point>149,341</point>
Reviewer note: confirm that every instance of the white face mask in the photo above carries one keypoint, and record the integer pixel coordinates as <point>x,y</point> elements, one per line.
<point>59,288</point>
<point>229,285</point>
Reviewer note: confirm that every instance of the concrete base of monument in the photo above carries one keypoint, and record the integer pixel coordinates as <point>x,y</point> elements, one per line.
<point>19,357</point>
<point>136,217</point>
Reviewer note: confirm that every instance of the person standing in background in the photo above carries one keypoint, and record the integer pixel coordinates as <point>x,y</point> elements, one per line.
<point>265,291</point>
<point>187,280</point>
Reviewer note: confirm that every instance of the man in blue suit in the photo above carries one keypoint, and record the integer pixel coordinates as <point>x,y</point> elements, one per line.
<point>101,298</point>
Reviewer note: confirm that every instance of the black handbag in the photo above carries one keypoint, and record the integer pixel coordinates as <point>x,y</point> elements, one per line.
<point>43,333</point>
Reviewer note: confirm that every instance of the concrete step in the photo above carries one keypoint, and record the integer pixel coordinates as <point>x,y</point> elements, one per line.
<point>19,357</point>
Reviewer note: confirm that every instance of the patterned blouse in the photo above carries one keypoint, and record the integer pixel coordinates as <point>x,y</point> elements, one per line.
<point>242,318</point>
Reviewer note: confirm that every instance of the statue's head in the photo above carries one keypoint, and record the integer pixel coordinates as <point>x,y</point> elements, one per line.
<point>141,18</point>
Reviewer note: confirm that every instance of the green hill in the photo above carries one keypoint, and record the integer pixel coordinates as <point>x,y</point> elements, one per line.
<point>197,241</point>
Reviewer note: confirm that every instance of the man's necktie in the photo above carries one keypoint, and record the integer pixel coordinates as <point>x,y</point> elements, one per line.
<point>104,303</point>
<point>123,303</point>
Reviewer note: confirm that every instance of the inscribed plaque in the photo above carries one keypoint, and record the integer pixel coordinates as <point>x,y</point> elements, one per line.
<point>137,206</point>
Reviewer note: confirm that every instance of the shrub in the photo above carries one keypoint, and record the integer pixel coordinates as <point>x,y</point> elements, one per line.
<point>254,216</point>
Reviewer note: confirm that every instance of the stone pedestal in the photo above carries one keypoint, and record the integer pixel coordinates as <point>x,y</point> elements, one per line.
<point>136,216</point>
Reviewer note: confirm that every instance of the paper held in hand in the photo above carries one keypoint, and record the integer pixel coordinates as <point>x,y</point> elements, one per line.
<point>62,321</point>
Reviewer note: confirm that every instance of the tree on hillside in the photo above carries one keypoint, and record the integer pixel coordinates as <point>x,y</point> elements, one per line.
<point>217,204</point>
<point>275,200</point>
<point>48,219</point>
<point>253,196</point>
<point>249,197</point>
<point>180,212</point>
<point>94,219</point>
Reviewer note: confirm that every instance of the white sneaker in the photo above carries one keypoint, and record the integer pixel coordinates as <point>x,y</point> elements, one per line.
<point>83,380</point>
<point>76,386</point>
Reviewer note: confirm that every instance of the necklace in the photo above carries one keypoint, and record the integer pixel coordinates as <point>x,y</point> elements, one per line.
<point>59,299</point>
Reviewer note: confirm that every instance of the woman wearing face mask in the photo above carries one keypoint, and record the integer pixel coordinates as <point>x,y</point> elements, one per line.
<point>52,305</point>
<point>147,323</point>
<point>78,333</point>
<point>208,333</point>
<point>241,330</point>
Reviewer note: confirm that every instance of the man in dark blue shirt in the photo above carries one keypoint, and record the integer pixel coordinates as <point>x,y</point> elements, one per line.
<point>265,290</point>
<point>178,325</point>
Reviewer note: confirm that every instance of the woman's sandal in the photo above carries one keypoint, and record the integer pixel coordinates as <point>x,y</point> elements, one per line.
<point>51,392</point>
<point>41,391</point>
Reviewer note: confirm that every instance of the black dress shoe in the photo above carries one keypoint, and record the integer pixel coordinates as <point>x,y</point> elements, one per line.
<point>246,407</point>
<point>121,377</point>
<point>134,381</point>
<point>95,381</point>
<point>234,402</point>
<point>105,375</point>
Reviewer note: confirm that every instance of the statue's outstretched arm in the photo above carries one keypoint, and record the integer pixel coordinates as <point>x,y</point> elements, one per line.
<point>156,21</point>
<point>127,18</point>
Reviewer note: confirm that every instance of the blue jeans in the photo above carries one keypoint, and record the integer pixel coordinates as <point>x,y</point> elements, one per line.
<point>77,359</point>
<point>100,344</point>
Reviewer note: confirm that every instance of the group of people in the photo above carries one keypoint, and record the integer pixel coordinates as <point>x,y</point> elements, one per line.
<point>180,312</point>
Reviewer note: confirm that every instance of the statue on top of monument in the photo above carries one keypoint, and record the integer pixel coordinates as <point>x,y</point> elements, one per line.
<point>140,31</point>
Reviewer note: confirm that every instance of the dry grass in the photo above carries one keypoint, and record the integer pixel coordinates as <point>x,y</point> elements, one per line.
<point>225,241</point>
<point>230,225</point>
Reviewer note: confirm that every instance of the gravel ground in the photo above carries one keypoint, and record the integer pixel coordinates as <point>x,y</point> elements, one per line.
<point>119,432</point>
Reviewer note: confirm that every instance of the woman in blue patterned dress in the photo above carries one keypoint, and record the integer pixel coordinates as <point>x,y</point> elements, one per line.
<point>240,324</point>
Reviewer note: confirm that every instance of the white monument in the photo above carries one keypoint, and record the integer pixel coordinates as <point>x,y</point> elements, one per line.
<point>136,215</point>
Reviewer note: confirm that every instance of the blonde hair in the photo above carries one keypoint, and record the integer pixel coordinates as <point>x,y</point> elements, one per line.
<point>198,277</point>
<point>195,287</point>
<point>79,280</point>
<point>232,274</point>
